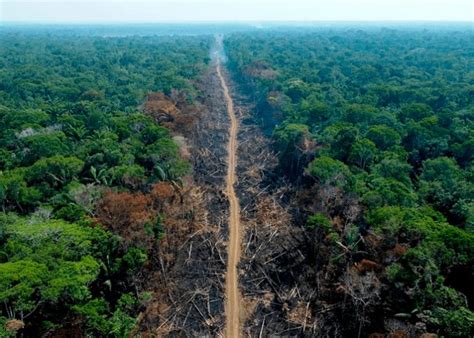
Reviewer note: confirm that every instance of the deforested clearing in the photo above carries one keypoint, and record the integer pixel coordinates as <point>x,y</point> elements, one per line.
<point>237,180</point>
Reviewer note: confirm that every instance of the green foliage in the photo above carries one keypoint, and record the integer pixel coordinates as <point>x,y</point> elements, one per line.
<point>361,114</point>
<point>71,125</point>
<point>122,323</point>
<point>128,175</point>
<point>316,110</point>
<point>44,145</point>
<point>289,140</point>
<point>421,270</point>
<point>98,322</point>
<point>384,137</point>
<point>455,323</point>
<point>6,159</point>
<point>412,223</point>
<point>134,259</point>
<point>48,262</point>
<point>71,213</point>
<point>388,191</point>
<point>290,135</point>
<point>19,283</point>
<point>446,186</point>
<point>319,221</point>
<point>76,122</point>
<point>72,280</point>
<point>4,332</point>
<point>322,226</point>
<point>94,69</point>
<point>395,169</point>
<point>52,264</point>
<point>342,141</point>
<point>391,113</point>
<point>96,314</point>
<point>363,153</point>
<point>328,170</point>
<point>14,190</point>
<point>57,171</point>
<point>415,111</point>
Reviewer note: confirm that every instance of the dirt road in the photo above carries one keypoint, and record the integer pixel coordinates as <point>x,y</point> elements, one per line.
<point>233,299</point>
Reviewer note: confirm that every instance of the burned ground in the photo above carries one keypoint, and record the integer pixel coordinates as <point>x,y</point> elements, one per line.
<point>188,287</point>
<point>284,292</point>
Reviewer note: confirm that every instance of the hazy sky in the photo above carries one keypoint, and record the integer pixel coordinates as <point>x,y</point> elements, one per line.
<point>234,10</point>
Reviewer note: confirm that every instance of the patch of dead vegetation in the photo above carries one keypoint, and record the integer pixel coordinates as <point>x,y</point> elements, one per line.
<point>186,270</point>
<point>160,107</point>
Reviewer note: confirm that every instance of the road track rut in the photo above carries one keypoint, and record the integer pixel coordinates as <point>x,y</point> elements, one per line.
<point>233,296</point>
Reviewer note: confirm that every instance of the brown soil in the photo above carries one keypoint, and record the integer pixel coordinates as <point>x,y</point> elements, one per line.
<point>233,299</point>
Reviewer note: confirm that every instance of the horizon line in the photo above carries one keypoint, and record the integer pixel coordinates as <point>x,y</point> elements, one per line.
<point>224,21</point>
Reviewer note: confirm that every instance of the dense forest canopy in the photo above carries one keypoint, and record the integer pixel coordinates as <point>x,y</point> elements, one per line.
<point>373,128</point>
<point>119,30</point>
<point>378,125</point>
<point>74,142</point>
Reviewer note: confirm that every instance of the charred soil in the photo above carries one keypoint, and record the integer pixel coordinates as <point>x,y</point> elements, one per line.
<point>189,267</point>
<point>278,285</point>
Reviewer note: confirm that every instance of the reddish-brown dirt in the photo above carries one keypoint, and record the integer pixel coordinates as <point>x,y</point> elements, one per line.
<point>233,298</point>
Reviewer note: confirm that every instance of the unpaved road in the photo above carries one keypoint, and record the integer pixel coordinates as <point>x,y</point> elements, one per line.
<point>233,298</point>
